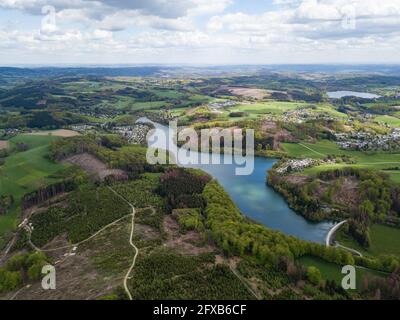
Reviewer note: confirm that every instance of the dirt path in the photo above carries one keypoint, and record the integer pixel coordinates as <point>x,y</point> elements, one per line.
<point>244,282</point>
<point>232,266</point>
<point>316,152</point>
<point>7,250</point>
<point>26,226</point>
<point>131,243</point>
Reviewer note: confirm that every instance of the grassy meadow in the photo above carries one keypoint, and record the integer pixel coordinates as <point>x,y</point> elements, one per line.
<point>385,240</point>
<point>275,107</point>
<point>23,172</point>
<point>331,271</point>
<point>390,120</point>
<point>319,150</point>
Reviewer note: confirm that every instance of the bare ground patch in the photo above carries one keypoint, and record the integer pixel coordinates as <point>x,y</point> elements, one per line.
<point>269,126</point>
<point>57,133</point>
<point>348,193</point>
<point>271,129</point>
<point>3,144</point>
<point>249,92</point>
<point>93,270</point>
<point>297,179</point>
<point>146,232</point>
<point>94,166</point>
<point>190,243</point>
<point>282,136</point>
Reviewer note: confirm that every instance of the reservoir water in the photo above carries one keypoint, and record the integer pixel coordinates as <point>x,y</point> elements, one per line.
<point>341,94</point>
<point>254,198</point>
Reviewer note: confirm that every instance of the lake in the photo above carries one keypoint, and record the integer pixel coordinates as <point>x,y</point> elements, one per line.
<point>254,198</point>
<point>341,94</point>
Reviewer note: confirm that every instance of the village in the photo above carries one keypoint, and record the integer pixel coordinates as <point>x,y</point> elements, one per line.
<point>292,165</point>
<point>365,141</point>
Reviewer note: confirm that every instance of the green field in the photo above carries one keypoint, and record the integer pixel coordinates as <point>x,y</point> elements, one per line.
<point>331,271</point>
<point>392,121</point>
<point>148,105</point>
<point>23,172</point>
<point>167,94</point>
<point>275,107</point>
<point>321,149</point>
<point>280,107</point>
<point>394,176</point>
<point>385,240</point>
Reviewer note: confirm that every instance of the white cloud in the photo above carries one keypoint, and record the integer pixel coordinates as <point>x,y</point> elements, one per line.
<point>156,29</point>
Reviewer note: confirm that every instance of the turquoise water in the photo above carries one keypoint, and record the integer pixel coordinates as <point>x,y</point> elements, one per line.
<point>254,198</point>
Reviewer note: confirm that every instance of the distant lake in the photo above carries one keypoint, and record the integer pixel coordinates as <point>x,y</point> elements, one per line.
<point>341,94</point>
<point>254,198</point>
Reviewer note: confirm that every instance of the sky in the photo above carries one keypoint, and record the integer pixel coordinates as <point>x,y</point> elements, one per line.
<point>199,32</point>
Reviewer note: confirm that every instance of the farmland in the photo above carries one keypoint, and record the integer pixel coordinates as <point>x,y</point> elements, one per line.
<point>274,107</point>
<point>192,240</point>
<point>24,172</point>
<point>321,149</point>
<point>390,120</point>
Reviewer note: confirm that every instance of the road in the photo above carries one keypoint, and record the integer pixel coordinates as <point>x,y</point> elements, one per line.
<point>353,251</point>
<point>331,233</point>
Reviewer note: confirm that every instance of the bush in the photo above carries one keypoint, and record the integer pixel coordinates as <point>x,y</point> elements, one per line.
<point>189,219</point>
<point>314,275</point>
<point>19,267</point>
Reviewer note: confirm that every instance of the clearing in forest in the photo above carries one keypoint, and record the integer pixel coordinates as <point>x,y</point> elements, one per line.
<point>94,166</point>
<point>3,144</point>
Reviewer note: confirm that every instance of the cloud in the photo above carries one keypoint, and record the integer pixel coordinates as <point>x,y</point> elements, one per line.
<point>180,29</point>
<point>170,9</point>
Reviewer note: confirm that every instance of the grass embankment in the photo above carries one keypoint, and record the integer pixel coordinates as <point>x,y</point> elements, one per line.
<point>24,172</point>
<point>385,240</point>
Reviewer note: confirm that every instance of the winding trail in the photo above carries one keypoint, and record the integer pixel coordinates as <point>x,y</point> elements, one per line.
<point>131,243</point>
<point>7,250</point>
<point>26,226</point>
<point>75,244</point>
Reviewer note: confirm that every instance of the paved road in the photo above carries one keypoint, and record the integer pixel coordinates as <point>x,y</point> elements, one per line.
<point>331,233</point>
